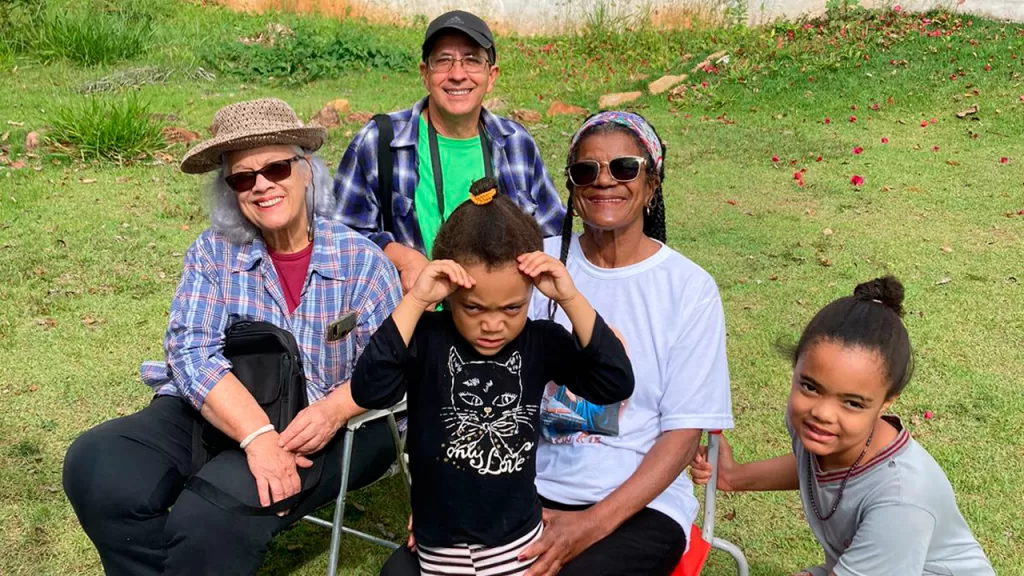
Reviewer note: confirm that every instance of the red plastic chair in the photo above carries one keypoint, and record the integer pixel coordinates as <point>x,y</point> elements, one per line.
<point>702,540</point>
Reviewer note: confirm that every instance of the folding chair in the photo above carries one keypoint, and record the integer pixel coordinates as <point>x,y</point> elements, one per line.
<point>400,466</point>
<point>702,539</point>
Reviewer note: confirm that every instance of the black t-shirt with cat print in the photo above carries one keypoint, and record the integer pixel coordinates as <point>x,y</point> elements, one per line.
<point>473,419</point>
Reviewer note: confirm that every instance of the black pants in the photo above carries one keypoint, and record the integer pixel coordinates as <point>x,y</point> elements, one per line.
<point>125,479</point>
<point>648,544</point>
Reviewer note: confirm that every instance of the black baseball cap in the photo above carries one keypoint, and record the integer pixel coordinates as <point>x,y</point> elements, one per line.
<point>464,22</point>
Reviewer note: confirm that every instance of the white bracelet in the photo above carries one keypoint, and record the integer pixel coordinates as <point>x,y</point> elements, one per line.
<point>259,431</point>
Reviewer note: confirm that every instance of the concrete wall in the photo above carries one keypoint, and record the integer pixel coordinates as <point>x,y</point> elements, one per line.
<point>549,16</point>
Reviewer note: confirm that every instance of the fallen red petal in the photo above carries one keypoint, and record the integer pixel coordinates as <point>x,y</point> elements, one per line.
<point>935,148</point>
<point>853,118</point>
<point>885,140</point>
<point>928,415</point>
<point>733,202</point>
<point>818,159</point>
<point>924,123</point>
<point>1004,160</point>
<point>829,120</point>
<point>775,158</point>
<point>857,180</point>
<point>857,151</point>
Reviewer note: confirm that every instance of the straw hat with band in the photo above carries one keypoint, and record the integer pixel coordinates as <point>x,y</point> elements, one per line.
<point>248,125</point>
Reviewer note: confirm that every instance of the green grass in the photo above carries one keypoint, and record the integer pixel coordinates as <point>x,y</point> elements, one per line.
<point>110,128</point>
<point>89,268</point>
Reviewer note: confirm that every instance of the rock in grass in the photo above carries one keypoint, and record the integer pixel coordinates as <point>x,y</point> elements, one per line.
<point>561,109</point>
<point>495,104</point>
<point>665,82</point>
<point>31,141</point>
<point>175,135</point>
<point>359,118</point>
<point>327,117</point>
<point>341,105</point>
<point>710,59</point>
<point>618,99</point>
<point>525,116</point>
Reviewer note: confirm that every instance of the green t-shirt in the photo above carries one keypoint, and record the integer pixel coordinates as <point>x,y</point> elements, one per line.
<point>462,163</point>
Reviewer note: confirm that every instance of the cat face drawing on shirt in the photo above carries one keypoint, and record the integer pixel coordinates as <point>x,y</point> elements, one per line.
<point>486,414</point>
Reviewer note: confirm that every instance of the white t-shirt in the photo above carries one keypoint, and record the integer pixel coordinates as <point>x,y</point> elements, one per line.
<point>670,315</point>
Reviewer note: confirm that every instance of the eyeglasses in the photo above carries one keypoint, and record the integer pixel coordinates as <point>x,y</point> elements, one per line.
<point>275,172</point>
<point>622,169</point>
<point>471,64</point>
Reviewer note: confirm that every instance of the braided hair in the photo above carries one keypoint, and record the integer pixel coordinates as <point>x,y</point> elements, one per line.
<point>654,218</point>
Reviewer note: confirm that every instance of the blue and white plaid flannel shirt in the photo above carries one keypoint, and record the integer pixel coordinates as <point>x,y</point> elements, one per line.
<point>223,283</point>
<point>517,164</point>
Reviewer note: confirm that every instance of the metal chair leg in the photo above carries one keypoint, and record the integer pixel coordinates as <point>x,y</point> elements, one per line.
<point>742,569</point>
<point>399,450</point>
<point>339,505</point>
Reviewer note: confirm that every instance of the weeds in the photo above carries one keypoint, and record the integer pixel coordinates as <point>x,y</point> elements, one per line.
<point>305,53</point>
<point>91,36</point>
<point>107,128</point>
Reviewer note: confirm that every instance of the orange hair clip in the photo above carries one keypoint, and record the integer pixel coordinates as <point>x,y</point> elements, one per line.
<point>485,197</point>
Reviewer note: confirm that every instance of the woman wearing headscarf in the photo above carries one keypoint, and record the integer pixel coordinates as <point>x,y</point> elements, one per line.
<point>272,253</point>
<point>611,478</point>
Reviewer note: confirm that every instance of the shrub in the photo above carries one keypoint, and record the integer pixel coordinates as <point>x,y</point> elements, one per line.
<point>307,53</point>
<point>93,34</point>
<point>108,128</point>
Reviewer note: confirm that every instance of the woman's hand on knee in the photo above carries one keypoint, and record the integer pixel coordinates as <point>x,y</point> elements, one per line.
<point>274,469</point>
<point>566,536</point>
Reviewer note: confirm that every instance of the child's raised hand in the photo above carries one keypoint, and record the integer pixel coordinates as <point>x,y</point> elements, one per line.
<point>438,280</point>
<point>549,276</point>
<point>700,468</point>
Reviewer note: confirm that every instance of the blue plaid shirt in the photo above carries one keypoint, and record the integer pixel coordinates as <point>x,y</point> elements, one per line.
<point>517,164</point>
<point>223,282</point>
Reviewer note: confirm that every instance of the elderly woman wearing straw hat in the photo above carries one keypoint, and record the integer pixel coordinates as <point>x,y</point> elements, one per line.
<point>272,253</point>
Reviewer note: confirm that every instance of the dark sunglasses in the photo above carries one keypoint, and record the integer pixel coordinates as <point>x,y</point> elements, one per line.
<point>622,169</point>
<point>275,172</point>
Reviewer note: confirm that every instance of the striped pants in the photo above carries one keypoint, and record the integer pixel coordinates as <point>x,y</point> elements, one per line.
<point>478,560</point>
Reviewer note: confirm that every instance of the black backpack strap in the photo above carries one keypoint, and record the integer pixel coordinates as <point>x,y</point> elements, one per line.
<point>385,170</point>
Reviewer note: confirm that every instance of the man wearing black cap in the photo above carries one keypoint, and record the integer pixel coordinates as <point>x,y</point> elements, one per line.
<point>438,148</point>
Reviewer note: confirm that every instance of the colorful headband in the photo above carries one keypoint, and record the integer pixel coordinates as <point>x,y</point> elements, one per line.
<point>634,122</point>
<point>484,197</point>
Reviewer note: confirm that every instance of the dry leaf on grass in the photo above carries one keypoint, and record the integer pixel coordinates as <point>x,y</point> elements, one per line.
<point>968,112</point>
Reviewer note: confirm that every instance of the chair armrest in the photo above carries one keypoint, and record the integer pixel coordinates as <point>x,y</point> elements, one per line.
<point>357,422</point>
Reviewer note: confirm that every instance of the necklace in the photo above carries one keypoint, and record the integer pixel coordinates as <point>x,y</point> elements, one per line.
<point>842,486</point>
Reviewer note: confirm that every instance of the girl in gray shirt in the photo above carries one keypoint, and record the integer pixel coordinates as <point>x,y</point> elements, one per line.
<point>877,502</point>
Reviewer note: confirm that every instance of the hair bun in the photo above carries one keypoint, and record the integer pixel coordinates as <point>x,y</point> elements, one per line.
<point>483,186</point>
<point>886,290</point>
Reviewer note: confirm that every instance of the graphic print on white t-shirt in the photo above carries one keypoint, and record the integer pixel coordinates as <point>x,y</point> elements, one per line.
<point>567,418</point>
<point>485,416</point>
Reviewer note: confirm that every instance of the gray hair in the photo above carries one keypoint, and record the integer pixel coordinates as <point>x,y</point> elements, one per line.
<point>226,217</point>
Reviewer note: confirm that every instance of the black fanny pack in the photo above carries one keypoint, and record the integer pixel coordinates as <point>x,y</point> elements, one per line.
<point>265,358</point>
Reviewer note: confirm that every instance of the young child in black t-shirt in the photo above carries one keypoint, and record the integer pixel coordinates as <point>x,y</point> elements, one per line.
<point>474,375</point>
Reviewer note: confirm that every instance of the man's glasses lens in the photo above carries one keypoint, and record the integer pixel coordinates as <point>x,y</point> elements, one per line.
<point>624,169</point>
<point>275,172</point>
<point>471,64</point>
